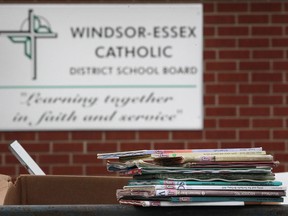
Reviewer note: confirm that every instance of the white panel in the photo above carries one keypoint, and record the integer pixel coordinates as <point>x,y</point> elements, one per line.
<point>98,66</point>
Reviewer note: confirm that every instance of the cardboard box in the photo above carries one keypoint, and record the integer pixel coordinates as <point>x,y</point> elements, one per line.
<point>60,189</point>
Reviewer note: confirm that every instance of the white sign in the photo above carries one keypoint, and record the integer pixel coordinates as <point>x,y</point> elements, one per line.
<point>101,66</point>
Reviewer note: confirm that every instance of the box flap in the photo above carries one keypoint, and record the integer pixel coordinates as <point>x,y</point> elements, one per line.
<point>5,182</point>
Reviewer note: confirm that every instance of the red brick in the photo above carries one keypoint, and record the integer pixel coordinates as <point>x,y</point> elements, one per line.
<point>20,136</point>
<point>254,134</point>
<point>233,31</point>
<point>169,145</point>
<point>235,144</point>
<point>53,159</point>
<point>209,100</point>
<point>4,148</point>
<point>202,145</point>
<point>209,54</point>
<point>220,134</point>
<point>280,134</point>
<point>266,7</point>
<point>219,19</point>
<point>220,43</point>
<point>254,88</point>
<point>254,111</point>
<point>279,168</point>
<point>9,170</point>
<point>220,111</point>
<point>267,100</point>
<point>120,135</point>
<point>86,135</point>
<point>53,135</point>
<point>153,135</point>
<point>220,66</point>
<point>267,77</point>
<point>232,77</point>
<point>209,7</point>
<point>280,88</point>
<point>10,159</point>
<point>279,42</point>
<point>280,111</point>
<point>210,123</point>
<point>209,77</point>
<point>271,146</point>
<point>280,18</point>
<point>220,88</point>
<point>253,19</point>
<point>84,158</point>
<point>253,42</point>
<point>180,135</point>
<point>135,146</point>
<point>67,170</point>
<point>282,157</point>
<point>24,171</point>
<point>101,147</point>
<point>209,31</point>
<point>36,147</point>
<point>267,123</point>
<point>269,54</point>
<point>280,65</point>
<point>234,123</point>
<point>97,170</point>
<point>234,54</point>
<point>255,65</point>
<point>235,100</point>
<point>232,7</point>
<point>267,31</point>
<point>285,6</point>
<point>67,147</point>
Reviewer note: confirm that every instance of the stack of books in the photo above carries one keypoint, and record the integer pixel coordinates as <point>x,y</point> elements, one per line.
<point>193,177</point>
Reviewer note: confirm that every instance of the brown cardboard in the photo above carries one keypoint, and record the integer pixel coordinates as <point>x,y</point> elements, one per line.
<point>60,189</point>
<point>5,182</point>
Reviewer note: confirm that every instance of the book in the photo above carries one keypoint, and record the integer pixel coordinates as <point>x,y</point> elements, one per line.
<point>217,164</point>
<point>151,170</point>
<point>190,158</point>
<point>228,198</point>
<point>184,183</point>
<point>150,157</point>
<point>185,154</point>
<point>120,193</point>
<point>146,203</point>
<point>205,187</point>
<point>117,155</point>
<point>147,167</point>
<point>245,199</point>
<point>208,176</point>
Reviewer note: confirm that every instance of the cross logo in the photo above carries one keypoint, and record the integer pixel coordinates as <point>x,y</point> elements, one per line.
<point>36,27</point>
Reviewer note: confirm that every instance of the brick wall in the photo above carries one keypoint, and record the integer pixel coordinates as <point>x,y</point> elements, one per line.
<point>245,96</point>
